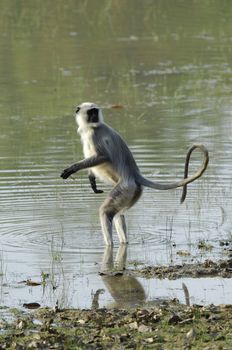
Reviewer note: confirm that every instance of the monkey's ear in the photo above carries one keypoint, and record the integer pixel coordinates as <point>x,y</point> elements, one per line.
<point>93,115</point>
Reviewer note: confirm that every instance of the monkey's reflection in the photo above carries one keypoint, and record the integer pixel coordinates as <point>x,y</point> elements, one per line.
<point>125,289</point>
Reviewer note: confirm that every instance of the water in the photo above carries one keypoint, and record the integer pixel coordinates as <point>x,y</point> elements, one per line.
<point>169,66</point>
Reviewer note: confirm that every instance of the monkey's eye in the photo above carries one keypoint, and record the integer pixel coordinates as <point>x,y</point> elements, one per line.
<point>77,110</point>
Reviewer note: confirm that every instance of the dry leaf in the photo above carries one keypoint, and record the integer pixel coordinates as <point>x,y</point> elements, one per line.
<point>183,253</point>
<point>32,283</point>
<point>31,305</point>
<point>117,106</point>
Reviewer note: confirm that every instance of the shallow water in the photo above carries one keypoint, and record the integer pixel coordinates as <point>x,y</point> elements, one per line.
<point>169,66</point>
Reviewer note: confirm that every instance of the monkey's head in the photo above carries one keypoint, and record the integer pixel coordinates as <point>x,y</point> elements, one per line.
<point>88,114</point>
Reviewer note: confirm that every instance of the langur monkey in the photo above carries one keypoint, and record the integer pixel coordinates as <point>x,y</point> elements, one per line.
<point>108,158</point>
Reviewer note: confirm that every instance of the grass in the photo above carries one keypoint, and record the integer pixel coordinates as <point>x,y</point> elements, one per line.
<point>167,326</point>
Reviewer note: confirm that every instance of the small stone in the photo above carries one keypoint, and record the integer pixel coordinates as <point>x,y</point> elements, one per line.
<point>214,318</point>
<point>142,313</point>
<point>20,324</point>
<point>174,319</point>
<point>191,335</point>
<point>150,340</point>
<point>144,329</point>
<point>183,253</point>
<point>33,344</point>
<point>133,325</point>
<point>81,321</point>
<point>156,318</point>
<point>31,306</point>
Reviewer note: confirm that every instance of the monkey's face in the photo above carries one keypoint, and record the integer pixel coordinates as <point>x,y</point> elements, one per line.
<point>88,114</point>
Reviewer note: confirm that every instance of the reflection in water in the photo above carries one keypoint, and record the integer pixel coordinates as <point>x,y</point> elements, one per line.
<point>95,300</point>
<point>186,294</point>
<point>126,290</point>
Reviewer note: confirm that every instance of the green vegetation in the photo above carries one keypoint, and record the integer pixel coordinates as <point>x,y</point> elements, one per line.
<point>167,326</point>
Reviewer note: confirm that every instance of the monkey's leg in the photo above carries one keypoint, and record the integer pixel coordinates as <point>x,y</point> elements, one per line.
<point>120,260</point>
<point>107,260</point>
<point>123,196</point>
<point>120,225</point>
<point>110,207</point>
<point>107,213</point>
<point>92,180</point>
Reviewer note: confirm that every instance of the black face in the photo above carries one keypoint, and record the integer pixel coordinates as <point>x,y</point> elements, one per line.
<point>92,115</point>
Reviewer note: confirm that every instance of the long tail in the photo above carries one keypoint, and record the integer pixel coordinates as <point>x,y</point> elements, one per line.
<point>202,169</point>
<point>183,183</point>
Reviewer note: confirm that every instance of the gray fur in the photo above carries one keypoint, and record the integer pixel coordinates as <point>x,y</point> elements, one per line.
<point>110,144</point>
<point>110,159</point>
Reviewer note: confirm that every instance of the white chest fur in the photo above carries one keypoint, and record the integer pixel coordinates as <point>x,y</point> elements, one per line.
<point>104,171</point>
<point>87,141</point>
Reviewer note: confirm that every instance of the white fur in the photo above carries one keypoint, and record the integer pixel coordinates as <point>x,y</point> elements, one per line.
<point>81,116</point>
<point>104,171</point>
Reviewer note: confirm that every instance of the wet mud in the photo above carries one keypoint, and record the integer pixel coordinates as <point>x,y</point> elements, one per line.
<point>157,325</point>
<point>208,268</point>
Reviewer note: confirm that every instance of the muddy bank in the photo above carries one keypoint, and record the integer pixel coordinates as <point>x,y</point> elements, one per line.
<point>160,327</point>
<point>163,326</point>
<point>208,268</point>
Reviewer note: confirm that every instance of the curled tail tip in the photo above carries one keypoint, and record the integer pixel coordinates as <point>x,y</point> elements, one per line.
<point>201,146</point>
<point>184,194</point>
<point>198,145</point>
<point>182,200</point>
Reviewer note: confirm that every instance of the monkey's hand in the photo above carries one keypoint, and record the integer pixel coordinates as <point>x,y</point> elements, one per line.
<point>93,184</point>
<point>84,164</point>
<point>67,172</point>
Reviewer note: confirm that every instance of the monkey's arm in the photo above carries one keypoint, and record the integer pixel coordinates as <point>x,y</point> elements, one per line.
<point>92,180</point>
<point>84,164</point>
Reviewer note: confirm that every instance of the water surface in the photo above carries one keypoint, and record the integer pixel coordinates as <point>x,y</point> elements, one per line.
<point>169,66</point>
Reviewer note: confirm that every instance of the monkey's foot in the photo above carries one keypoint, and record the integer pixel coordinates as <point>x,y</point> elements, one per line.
<point>110,273</point>
<point>98,191</point>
